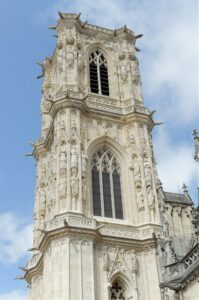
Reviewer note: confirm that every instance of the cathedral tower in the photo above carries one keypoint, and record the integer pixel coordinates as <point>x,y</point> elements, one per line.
<point>96,201</point>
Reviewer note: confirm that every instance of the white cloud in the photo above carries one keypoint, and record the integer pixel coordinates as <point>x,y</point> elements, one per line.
<point>175,163</point>
<point>14,295</point>
<point>15,237</point>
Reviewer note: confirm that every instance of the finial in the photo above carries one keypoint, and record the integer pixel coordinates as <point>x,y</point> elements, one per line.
<point>195,133</point>
<point>184,188</point>
<point>125,28</point>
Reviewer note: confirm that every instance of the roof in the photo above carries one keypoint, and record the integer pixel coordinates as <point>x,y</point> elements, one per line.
<point>178,198</point>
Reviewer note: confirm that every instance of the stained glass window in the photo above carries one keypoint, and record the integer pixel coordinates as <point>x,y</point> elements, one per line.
<point>106,185</point>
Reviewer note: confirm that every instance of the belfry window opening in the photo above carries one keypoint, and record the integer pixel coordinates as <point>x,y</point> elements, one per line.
<point>98,73</point>
<point>106,185</point>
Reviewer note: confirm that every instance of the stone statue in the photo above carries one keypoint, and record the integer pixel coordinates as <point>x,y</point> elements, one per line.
<point>151,198</point>
<point>134,262</point>
<point>84,164</point>
<point>106,261</point>
<point>62,188</point>
<point>42,198</point>
<point>137,175</point>
<point>74,190</point>
<point>124,72</point>
<point>62,160</point>
<point>147,173</point>
<point>166,228</point>
<point>140,199</point>
<point>74,157</point>
<point>70,59</point>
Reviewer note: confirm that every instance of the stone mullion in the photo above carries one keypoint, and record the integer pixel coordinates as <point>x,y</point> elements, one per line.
<point>98,76</point>
<point>112,193</point>
<point>101,191</point>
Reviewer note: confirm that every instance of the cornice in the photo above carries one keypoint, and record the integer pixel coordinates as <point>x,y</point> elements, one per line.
<point>140,238</point>
<point>117,110</point>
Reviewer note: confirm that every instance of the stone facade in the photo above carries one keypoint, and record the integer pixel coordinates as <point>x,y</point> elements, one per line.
<point>76,254</point>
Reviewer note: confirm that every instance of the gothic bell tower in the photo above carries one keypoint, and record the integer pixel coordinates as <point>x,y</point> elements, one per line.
<point>96,199</point>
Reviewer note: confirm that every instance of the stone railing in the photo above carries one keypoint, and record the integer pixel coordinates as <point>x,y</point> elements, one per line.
<point>181,269</point>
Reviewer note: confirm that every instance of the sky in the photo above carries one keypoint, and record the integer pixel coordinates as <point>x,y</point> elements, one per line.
<point>169,72</point>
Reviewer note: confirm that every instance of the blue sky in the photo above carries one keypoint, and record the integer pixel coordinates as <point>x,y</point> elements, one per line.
<point>168,64</point>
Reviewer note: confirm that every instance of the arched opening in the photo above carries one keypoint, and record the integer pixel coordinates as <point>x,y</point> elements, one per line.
<point>99,83</point>
<point>117,291</point>
<point>106,184</point>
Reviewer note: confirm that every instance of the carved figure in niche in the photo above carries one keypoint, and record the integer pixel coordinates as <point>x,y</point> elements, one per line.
<point>151,198</point>
<point>106,261</point>
<point>84,164</point>
<point>137,175</point>
<point>140,199</point>
<point>62,188</point>
<point>134,262</point>
<point>42,198</point>
<point>84,189</point>
<point>166,228</point>
<point>80,61</point>
<point>62,160</point>
<point>43,176</point>
<point>70,59</point>
<point>74,189</point>
<point>74,157</point>
<point>124,72</point>
<point>147,173</point>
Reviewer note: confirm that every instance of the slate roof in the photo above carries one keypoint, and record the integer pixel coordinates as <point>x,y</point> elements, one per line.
<point>178,198</point>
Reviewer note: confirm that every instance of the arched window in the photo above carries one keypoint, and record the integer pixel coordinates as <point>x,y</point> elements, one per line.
<point>98,73</point>
<point>117,291</point>
<point>106,185</point>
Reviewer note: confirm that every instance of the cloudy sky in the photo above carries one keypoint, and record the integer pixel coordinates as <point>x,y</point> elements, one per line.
<point>169,70</point>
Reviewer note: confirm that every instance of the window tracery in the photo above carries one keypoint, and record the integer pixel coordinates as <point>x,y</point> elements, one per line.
<point>106,185</point>
<point>117,292</point>
<point>98,73</point>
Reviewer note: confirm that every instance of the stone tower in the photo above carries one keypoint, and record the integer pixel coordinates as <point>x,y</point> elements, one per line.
<point>96,215</point>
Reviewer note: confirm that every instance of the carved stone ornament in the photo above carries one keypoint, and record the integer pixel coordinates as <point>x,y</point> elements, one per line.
<point>148,176</point>
<point>74,189</point>
<point>137,175</point>
<point>151,198</point>
<point>74,157</point>
<point>124,72</point>
<point>140,199</point>
<point>134,262</point>
<point>70,59</point>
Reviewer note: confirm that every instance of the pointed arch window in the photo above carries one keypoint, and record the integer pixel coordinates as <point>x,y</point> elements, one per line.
<point>106,185</point>
<point>117,291</point>
<point>98,73</point>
